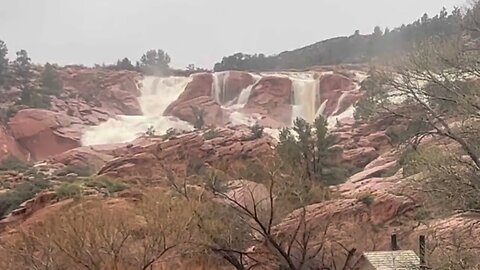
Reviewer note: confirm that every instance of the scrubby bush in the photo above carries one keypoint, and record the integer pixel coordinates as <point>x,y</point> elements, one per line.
<point>171,132</point>
<point>110,185</point>
<point>150,131</point>
<point>50,81</point>
<point>11,199</point>
<point>366,198</point>
<point>257,131</point>
<point>82,171</point>
<point>199,115</point>
<point>69,190</point>
<point>210,134</point>
<point>306,149</point>
<point>12,163</point>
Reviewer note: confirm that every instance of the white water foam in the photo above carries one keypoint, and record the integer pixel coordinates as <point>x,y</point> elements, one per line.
<point>157,94</point>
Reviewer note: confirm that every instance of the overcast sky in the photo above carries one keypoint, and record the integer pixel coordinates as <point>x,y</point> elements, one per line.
<point>191,31</point>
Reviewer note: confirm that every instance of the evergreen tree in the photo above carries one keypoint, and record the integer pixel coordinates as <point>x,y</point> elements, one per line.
<point>23,68</point>
<point>154,61</point>
<point>307,148</point>
<point>23,72</point>
<point>3,62</point>
<point>125,64</point>
<point>50,81</point>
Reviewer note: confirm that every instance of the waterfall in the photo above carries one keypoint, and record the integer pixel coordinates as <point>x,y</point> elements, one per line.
<point>156,94</point>
<point>219,85</point>
<point>305,95</point>
<point>245,94</point>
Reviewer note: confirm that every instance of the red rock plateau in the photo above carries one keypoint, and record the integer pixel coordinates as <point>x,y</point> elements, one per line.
<point>92,96</point>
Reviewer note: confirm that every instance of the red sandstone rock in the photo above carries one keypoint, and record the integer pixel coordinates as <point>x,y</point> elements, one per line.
<point>272,97</point>
<point>200,86</point>
<point>359,157</point>
<point>44,133</point>
<point>332,86</point>
<point>234,83</point>
<point>8,146</point>
<point>154,156</point>
<point>113,91</point>
<point>213,113</point>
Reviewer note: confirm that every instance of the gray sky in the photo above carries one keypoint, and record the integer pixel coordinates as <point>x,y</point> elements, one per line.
<point>191,31</point>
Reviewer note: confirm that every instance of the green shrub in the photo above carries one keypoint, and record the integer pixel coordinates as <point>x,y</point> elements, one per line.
<point>82,171</point>
<point>12,163</point>
<point>414,161</point>
<point>150,131</point>
<point>195,166</point>
<point>170,133</point>
<point>421,215</point>
<point>34,99</point>
<point>210,134</point>
<point>109,184</point>
<point>257,131</point>
<point>10,200</point>
<point>366,198</point>
<point>69,190</point>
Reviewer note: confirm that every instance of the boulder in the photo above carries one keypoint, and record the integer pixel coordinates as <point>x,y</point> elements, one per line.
<point>334,88</point>
<point>151,158</point>
<point>44,133</point>
<point>272,97</point>
<point>232,84</point>
<point>10,147</point>
<point>212,112</point>
<point>200,86</point>
<point>113,91</point>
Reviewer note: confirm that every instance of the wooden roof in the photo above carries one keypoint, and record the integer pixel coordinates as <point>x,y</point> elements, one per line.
<point>393,260</point>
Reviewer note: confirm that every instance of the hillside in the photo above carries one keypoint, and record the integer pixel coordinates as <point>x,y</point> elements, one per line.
<point>353,49</point>
<point>305,164</point>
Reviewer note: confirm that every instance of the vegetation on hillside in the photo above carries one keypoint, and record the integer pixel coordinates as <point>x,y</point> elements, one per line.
<point>356,48</point>
<point>307,148</point>
<point>35,89</point>
<point>435,91</point>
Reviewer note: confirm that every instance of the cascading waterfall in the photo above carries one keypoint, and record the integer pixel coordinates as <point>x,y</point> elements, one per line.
<point>157,94</point>
<point>245,94</point>
<point>305,96</point>
<point>218,86</point>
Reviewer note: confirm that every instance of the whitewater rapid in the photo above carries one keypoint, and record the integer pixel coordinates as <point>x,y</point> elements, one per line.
<point>156,94</point>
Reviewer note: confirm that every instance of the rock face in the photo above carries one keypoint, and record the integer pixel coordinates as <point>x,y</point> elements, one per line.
<point>91,157</point>
<point>44,133</point>
<point>197,94</point>
<point>231,84</point>
<point>149,158</point>
<point>338,91</point>
<point>213,115</point>
<point>9,146</point>
<point>272,97</point>
<point>28,207</point>
<point>115,92</point>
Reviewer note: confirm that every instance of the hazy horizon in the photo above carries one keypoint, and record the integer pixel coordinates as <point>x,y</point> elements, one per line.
<point>199,32</point>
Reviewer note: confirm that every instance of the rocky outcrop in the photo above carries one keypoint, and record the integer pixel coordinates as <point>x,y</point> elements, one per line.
<point>152,157</point>
<point>212,113</point>
<point>44,133</point>
<point>272,97</point>
<point>228,85</point>
<point>29,207</point>
<point>338,91</point>
<point>362,143</point>
<point>109,91</point>
<point>197,95</point>
<point>90,157</point>
<point>199,86</point>
<point>9,146</point>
